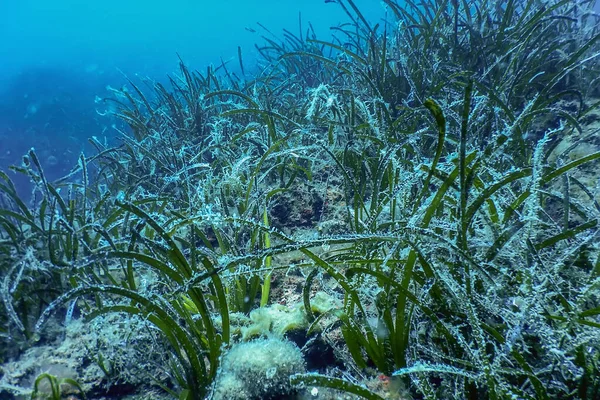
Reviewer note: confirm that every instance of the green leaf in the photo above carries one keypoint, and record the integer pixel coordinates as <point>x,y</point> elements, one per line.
<point>333,383</point>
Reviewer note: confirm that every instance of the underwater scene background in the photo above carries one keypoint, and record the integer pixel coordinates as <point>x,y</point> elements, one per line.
<point>58,56</point>
<point>333,199</point>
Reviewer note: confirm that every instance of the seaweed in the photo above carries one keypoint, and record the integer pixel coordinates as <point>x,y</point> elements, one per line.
<point>440,143</point>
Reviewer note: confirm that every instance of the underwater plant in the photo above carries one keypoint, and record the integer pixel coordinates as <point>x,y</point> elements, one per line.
<point>55,387</point>
<point>432,174</point>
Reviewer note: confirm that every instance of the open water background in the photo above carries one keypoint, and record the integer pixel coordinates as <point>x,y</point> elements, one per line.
<point>57,56</point>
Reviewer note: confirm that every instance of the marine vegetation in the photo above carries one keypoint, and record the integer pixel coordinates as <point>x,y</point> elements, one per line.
<point>421,193</point>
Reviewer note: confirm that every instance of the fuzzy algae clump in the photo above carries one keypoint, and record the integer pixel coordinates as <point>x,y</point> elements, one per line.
<point>277,319</point>
<point>259,369</point>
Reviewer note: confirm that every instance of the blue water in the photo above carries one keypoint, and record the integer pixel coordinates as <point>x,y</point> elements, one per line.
<point>56,56</point>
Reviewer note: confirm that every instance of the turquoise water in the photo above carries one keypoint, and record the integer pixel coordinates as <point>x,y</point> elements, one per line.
<point>57,56</point>
<point>143,36</point>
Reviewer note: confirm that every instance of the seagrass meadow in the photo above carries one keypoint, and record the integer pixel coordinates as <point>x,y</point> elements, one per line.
<point>406,211</point>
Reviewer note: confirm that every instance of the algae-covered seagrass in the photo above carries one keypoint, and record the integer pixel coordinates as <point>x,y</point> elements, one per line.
<point>440,172</point>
